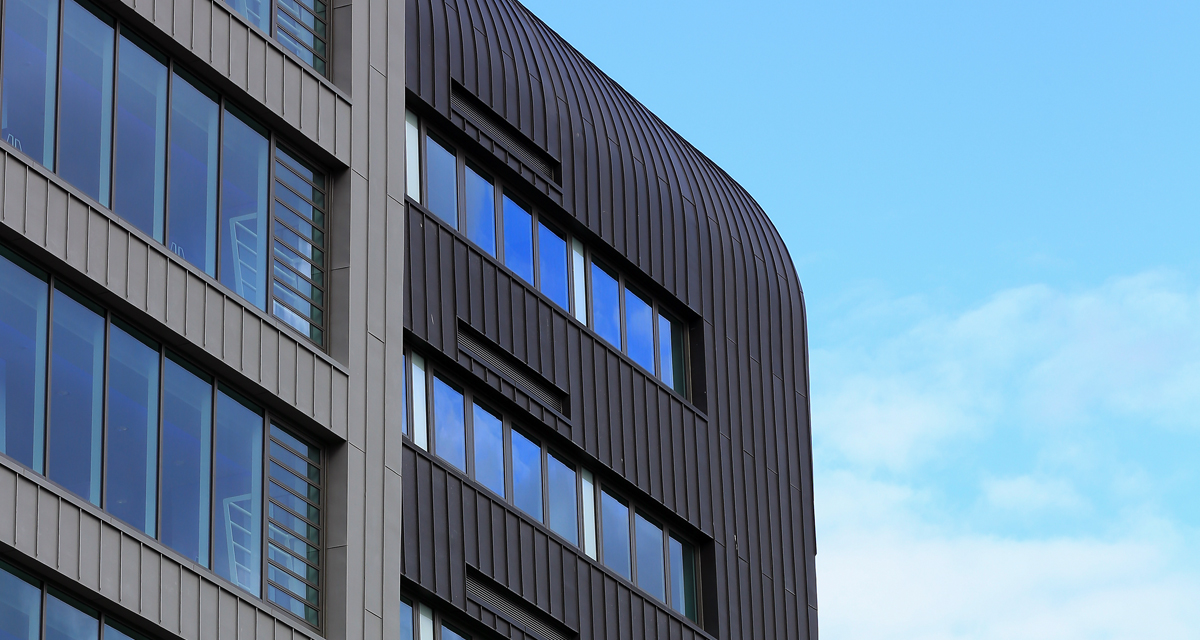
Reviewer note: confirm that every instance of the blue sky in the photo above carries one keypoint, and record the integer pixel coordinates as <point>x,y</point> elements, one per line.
<point>994,208</point>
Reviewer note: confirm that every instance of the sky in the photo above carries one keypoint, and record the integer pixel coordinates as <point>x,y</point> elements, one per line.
<point>994,208</point>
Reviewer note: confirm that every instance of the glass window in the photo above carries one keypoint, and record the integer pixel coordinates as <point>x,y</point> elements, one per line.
<point>450,634</point>
<point>614,516</point>
<point>132,451</point>
<point>113,633</point>
<point>20,606</point>
<point>442,172</point>
<point>67,622</point>
<point>140,169</point>
<point>293,528</point>
<point>683,578</point>
<point>258,12</point>
<point>243,230</point>
<point>419,401</point>
<point>300,26</point>
<point>426,622</point>
<point>564,514</point>
<point>650,570</point>
<point>480,211</point>
<point>406,620</point>
<point>30,77</point>
<point>192,226</point>
<point>606,305</point>
<point>527,475</point>
<point>412,155</point>
<point>489,450</point>
<point>449,427</point>
<point>518,239</point>
<point>639,320</point>
<point>24,309</point>
<point>299,248</point>
<point>579,272</point>
<point>553,264</point>
<point>237,486</point>
<point>588,486</point>
<point>85,113</point>
<point>76,397</point>
<point>186,459</point>
<point>671,351</point>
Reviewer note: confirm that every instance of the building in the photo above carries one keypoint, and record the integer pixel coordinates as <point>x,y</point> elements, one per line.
<point>380,319</point>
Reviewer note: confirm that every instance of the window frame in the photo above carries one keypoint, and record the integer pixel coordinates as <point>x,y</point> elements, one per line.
<point>434,370</point>
<point>225,108</point>
<point>586,317</point>
<point>218,385</point>
<point>46,588</point>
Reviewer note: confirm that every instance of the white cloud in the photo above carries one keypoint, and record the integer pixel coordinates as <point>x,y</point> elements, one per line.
<point>1071,373</point>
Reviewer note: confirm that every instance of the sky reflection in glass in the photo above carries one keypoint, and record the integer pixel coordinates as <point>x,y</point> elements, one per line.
<point>186,459</point>
<point>527,475</point>
<point>24,305</point>
<point>132,451</point>
<point>244,184</point>
<point>140,170</point>
<point>76,397</point>
<point>85,118</point>
<point>30,77</point>
<point>193,182</point>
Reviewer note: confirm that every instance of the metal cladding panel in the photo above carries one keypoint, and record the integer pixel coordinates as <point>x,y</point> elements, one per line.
<point>73,543</point>
<point>736,464</point>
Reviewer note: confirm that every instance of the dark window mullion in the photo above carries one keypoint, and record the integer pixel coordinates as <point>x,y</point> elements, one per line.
<point>289,449</point>
<point>289,490</point>
<point>286,160</point>
<point>293,210</point>
<point>307,318</point>
<point>305,600</point>
<point>288,510</point>
<point>302,237</point>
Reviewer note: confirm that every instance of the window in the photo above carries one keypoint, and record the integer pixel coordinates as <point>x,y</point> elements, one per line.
<point>648,554</point>
<point>463,196</point>
<point>131,427</point>
<point>419,622</point>
<point>547,487</point>
<point>301,26</point>
<point>27,606</point>
<point>90,100</point>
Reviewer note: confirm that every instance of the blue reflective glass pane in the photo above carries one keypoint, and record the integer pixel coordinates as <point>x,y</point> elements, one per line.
<point>450,634</point>
<point>671,354</point>
<point>554,266</point>
<point>237,498</point>
<point>186,459</point>
<point>650,572</point>
<point>489,450</point>
<point>30,79</point>
<point>112,633</point>
<point>258,12</point>
<point>639,323</point>
<point>449,427</point>
<point>244,183</point>
<point>65,622</point>
<point>564,512</point>
<point>76,397</point>
<point>132,451</point>
<point>24,304</point>
<point>85,110</point>
<point>683,578</point>
<point>140,170</point>
<point>481,211</point>
<point>20,607</point>
<point>441,168</point>
<point>406,621</point>
<point>192,216</point>
<point>292,563</point>
<point>527,475</point>
<point>518,240</point>
<point>614,520</point>
<point>606,306</point>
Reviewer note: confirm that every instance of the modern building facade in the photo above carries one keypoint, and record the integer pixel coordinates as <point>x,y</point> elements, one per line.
<point>380,319</point>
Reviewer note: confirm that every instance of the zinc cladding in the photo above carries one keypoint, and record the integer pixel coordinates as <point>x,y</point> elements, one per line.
<point>734,463</point>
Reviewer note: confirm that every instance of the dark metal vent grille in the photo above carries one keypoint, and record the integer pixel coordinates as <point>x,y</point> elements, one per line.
<point>486,123</point>
<point>476,348</point>
<point>504,606</point>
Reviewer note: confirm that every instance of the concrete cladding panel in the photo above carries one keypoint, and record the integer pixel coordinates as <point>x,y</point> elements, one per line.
<point>735,462</point>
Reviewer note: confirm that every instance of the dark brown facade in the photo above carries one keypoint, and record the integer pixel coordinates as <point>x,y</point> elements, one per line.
<point>727,464</point>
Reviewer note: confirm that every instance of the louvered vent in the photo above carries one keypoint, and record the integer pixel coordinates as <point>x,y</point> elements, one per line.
<point>493,357</point>
<point>514,613</point>
<point>498,130</point>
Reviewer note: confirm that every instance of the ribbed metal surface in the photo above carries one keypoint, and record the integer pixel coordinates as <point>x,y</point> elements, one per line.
<point>504,606</point>
<point>486,122</point>
<point>733,463</point>
<point>491,356</point>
